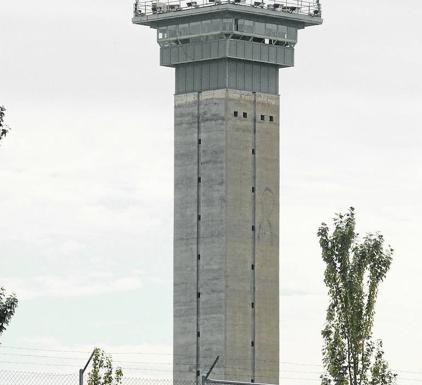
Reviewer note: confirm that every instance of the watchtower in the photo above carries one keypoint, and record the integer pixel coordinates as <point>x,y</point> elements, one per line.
<point>227,55</point>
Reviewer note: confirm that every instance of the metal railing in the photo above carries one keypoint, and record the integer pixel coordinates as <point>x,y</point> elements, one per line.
<point>300,7</point>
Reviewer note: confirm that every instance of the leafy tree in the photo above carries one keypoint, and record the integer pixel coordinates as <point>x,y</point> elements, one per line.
<point>3,128</point>
<point>7,309</point>
<point>102,372</point>
<point>354,270</point>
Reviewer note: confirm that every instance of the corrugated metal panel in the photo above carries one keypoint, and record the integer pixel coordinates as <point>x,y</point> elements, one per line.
<point>248,50</point>
<point>206,75</point>
<point>272,54</point>
<point>232,74</point>
<point>289,58</point>
<point>264,52</point>
<point>213,75</point>
<point>236,49</point>
<point>256,51</point>
<point>240,81</point>
<point>248,76</point>
<point>220,74</point>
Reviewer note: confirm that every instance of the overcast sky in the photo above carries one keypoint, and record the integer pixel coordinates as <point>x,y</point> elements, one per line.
<point>86,180</point>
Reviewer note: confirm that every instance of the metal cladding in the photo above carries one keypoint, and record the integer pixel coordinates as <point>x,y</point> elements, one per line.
<point>227,56</point>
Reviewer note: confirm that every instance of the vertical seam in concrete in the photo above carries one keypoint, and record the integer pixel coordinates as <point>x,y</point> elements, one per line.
<point>253,267</point>
<point>198,238</point>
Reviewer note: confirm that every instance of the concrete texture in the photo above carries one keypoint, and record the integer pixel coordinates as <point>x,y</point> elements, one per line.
<point>226,235</point>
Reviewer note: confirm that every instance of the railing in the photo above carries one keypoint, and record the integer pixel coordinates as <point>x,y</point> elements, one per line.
<point>301,7</point>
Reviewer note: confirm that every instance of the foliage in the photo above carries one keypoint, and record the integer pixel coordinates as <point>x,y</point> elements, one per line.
<point>7,309</point>
<point>3,128</point>
<point>354,270</point>
<point>102,372</point>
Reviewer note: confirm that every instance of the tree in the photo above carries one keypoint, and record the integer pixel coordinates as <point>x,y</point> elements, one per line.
<point>3,128</point>
<point>102,370</point>
<point>7,309</point>
<point>354,270</point>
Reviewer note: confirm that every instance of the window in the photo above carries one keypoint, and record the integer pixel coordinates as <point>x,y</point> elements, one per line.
<point>245,114</point>
<point>262,117</point>
<point>260,28</point>
<point>162,33</point>
<point>183,29</point>
<point>292,33</point>
<point>282,31</point>
<point>271,29</point>
<point>248,26</point>
<point>236,114</point>
<point>227,25</point>
<point>195,28</point>
<point>206,26</point>
<point>271,118</point>
<point>172,31</point>
<point>215,25</point>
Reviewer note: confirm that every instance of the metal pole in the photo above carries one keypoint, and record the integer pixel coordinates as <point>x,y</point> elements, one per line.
<point>82,371</point>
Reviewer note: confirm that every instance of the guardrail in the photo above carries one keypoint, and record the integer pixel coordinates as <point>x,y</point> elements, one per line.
<point>301,7</point>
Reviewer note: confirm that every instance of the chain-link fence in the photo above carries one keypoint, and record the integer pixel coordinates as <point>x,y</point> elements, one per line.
<point>13,377</point>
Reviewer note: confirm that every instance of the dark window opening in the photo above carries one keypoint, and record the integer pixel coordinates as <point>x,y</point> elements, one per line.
<point>199,179</point>
<point>235,114</point>
<point>198,334</point>
<point>198,373</point>
<point>271,118</point>
<point>199,217</point>
<point>253,267</point>
<point>252,343</point>
<point>253,228</point>
<point>253,189</point>
<point>199,257</point>
<point>199,295</point>
<point>245,114</point>
<point>199,141</point>
<point>253,151</point>
<point>262,117</point>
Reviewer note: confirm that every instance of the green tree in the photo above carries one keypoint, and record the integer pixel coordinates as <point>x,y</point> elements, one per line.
<point>102,372</point>
<point>354,270</point>
<point>3,128</point>
<point>8,306</point>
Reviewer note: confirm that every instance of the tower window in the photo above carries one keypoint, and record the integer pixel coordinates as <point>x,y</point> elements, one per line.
<point>245,114</point>
<point>235,114</point>
<point>271,118</point>
<point>262,117</point>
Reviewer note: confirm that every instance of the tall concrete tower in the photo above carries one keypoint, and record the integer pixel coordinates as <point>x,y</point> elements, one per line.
<point>227,55</point>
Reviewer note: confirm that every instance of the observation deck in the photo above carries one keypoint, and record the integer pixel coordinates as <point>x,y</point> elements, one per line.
<point>224,41</point>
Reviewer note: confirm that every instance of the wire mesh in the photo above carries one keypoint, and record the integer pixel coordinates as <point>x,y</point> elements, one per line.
<point>14,377</point>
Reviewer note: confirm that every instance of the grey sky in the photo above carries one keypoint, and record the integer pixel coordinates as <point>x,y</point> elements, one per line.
<point>86,178</point>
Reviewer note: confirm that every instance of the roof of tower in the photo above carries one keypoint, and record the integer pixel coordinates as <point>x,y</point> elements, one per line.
<point>154,13</point>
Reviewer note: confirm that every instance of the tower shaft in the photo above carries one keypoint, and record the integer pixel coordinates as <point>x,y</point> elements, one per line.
<point>226,234</point>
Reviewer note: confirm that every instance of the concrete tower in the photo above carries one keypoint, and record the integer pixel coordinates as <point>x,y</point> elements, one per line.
<point>227,55</point>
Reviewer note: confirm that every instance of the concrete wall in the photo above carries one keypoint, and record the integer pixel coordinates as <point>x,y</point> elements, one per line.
<point>226,235</point>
